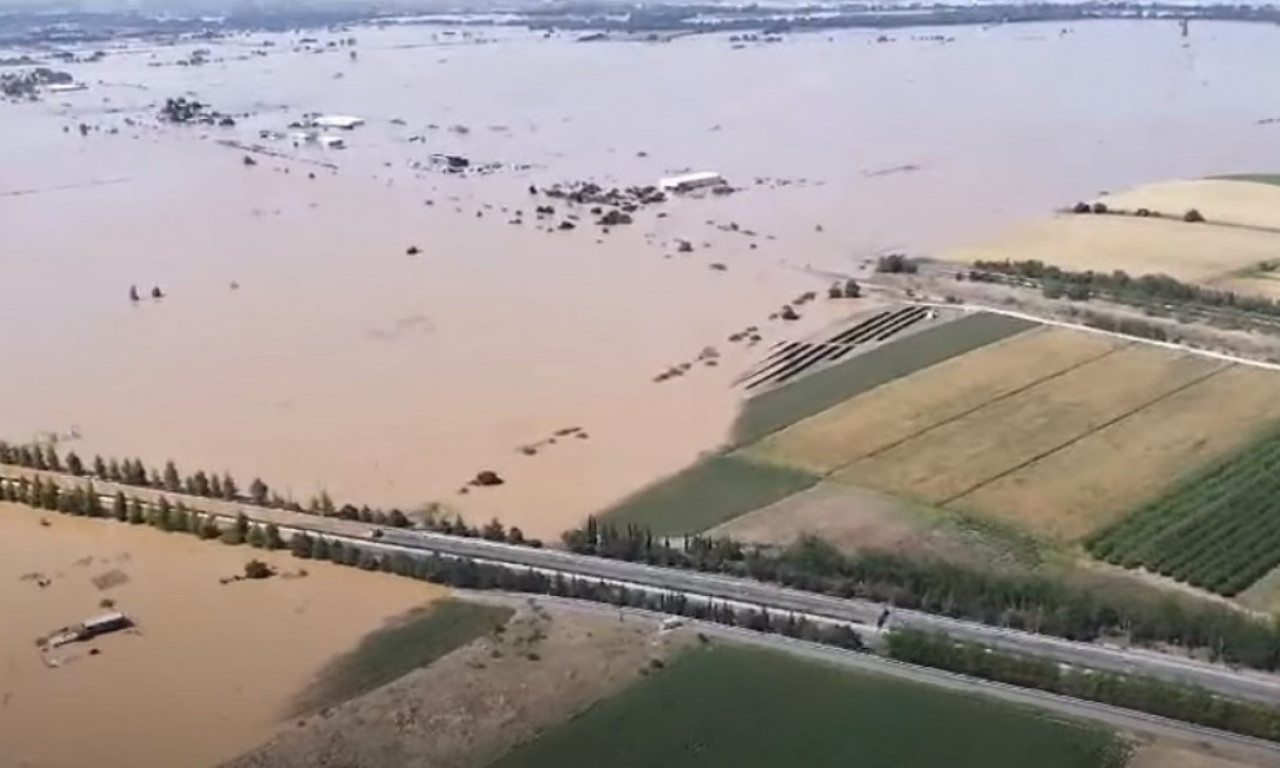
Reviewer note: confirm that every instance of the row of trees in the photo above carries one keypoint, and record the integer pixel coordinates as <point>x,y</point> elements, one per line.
<point>1159,698</point>
<point>1191,705</point>
<point>214,486</point>
<point>463,573</point>
<point>1120,286</point>
<point>1024,601</point>
<point>85,501</point>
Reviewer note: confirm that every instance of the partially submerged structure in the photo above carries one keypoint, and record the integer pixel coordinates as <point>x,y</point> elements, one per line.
<point>689,182</point>
<point>90,628</point>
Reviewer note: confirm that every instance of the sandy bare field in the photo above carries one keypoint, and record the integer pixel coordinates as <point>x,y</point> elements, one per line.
<point>1225,201</point>
<point>1191,252</point>
<point>889,414</point>
<point>473,705</point>
<point>212,668</point>
<point>940,464</point>
<point>1095,481</point>
<point>854,519</point>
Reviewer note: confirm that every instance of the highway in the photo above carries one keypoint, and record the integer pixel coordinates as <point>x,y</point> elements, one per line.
<point>1241,684</point>
<point>1258,751</point>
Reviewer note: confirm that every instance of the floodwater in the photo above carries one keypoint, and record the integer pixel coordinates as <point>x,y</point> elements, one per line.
<point>341,362</point>
<point>214,667</point>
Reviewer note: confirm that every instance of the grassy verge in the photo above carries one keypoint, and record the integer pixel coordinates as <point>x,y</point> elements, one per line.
<point>389,653</point>
<point>707,494</point>
<point>778,408</point>
<point>744,708</point>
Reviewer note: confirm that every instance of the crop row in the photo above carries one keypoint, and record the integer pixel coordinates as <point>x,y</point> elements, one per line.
<point>1218,530</point>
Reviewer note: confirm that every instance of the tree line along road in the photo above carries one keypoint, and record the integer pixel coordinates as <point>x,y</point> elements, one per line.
<point>1218,679</point>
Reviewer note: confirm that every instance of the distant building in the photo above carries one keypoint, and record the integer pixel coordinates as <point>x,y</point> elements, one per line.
<point>344,122</point>
<point>332,142</point>
<point>691,181</point>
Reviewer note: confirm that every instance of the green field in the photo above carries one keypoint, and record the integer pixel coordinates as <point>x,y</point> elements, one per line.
<point>1218,529</point>
<point>744,708</point>
<point>768,412</point>
<point>414,641</point>
<point>708,493</point>
<point>1261,178</point>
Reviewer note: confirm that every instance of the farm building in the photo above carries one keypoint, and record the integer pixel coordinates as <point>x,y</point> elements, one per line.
<point>691,181</point>
<point>345,122</point>
<point>106,623</point>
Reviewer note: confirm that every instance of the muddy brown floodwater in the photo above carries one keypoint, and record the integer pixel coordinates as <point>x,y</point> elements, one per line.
<point>213,667</point>
<point>342,362</point>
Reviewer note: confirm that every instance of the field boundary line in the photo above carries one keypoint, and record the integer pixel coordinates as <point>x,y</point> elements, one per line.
<point>976,408</point>
<point>1116,420</point>
<point>1222,356</point>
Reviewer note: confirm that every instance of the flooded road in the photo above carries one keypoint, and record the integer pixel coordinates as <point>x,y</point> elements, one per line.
<point>339,361</point>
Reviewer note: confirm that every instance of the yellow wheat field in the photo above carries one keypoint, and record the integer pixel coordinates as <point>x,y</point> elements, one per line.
<point>1093,482</point>
<point>1191,252</point>
<point>891,413</point>
<point>960,455</point>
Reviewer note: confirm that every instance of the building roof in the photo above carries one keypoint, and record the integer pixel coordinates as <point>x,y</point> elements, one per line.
<point>700,177</point>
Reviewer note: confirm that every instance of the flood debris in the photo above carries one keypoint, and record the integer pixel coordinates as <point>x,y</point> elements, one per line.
<point>184,111</point>
<point>486,478</point>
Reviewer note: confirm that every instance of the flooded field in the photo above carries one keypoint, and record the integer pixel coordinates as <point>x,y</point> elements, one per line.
<point>211,668</point>
<point>300,341</point>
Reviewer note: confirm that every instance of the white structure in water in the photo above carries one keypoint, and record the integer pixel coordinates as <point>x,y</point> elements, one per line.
<point>345,122</point>
<point>691,181</point>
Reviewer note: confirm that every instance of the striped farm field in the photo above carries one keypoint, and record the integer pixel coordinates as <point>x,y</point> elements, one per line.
<point>1094,482</point>
<point>942,464</point>
<point>896,411</point>
<point>1218,529</point>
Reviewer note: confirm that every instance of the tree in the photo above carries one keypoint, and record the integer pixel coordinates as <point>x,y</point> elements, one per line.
<point>229,490</point>
<point>319,548</point>
<point>851,289</point>
<point>162,514</point>
<point>494,531</point>
<point>215,487</point>
<point>515,535</point>
<point>74,466</point>
<point>119,507</point>
<point>181,519</point>
<point>324,504</point>
<point>136,517</point>
<point>209,528</point>
<point>172,480</point>
<point>397,519</point>
<point>1193,216</point>
<point>92,502</point>
<point>99,468</point>
<point>51,460</point>
<point>258,491</point>
<point>300,545</point>
<point>272,538</point>
<point>238,532</point>
<point>200,484</point>
<point>113,471</point>
<point>256,538</point>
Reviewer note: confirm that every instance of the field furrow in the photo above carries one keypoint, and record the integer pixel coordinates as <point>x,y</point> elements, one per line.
<point>1095,481</point>
<point>943,463</point>
<point>898,410</point>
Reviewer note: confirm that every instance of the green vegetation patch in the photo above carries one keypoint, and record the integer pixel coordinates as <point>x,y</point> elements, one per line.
<point>710,492</point>
<point>415,641</point>
<point>737,707</point>
<point>782,407</point>
<point>1259,178</point>
<point>1217,529</point>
